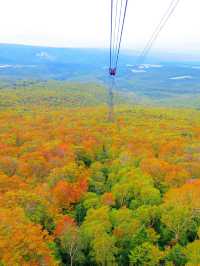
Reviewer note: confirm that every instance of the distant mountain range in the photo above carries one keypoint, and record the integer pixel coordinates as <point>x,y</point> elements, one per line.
<point>162,76</point>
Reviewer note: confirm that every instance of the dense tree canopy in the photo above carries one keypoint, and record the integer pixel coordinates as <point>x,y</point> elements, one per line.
<point>76,189</point>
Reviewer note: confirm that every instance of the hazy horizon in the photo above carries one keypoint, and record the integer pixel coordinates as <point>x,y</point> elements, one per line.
<point>165,55</point>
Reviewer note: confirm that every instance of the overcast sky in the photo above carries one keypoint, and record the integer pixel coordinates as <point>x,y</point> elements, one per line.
<point>85,23</point>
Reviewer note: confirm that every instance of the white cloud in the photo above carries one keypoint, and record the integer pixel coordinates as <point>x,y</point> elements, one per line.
<point>181,77</point>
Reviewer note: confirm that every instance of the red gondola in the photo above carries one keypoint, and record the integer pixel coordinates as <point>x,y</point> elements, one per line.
<point>112,71</point>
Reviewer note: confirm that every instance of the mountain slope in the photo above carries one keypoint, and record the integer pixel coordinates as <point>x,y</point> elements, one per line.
<point>157,80</point>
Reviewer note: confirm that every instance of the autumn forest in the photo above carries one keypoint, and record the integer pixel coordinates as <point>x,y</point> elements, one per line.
<point>76,189</point>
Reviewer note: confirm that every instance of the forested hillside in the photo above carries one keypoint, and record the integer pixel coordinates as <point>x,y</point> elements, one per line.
<point>25,94</point>
<point>76,189</point>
